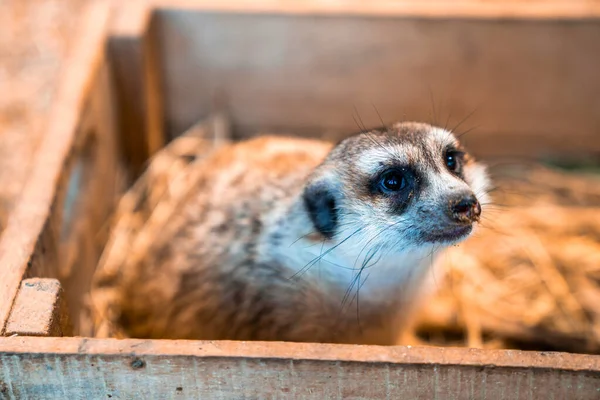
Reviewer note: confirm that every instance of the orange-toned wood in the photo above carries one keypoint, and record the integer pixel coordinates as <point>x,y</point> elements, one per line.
<point>31,244</point>
<point>294,67</point>
<point>132,55</point>
<point>93,179</point>
<point>87,368</point>
<point>526,71</point>
<point>489,9</point>
<point>39,310</point>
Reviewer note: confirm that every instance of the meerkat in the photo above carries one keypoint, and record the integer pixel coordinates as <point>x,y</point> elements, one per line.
<point>289,239</point>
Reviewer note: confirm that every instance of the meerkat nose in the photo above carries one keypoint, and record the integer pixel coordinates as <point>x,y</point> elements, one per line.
<point>464,208</point>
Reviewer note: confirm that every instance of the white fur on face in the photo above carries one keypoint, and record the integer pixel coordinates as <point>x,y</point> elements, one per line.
<point>442,136</point>
<point>380,228</point>
<point>376,250</point>
<point>370,161</point>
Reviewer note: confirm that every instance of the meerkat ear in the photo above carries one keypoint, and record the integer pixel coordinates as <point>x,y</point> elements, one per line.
<point>321,202</point>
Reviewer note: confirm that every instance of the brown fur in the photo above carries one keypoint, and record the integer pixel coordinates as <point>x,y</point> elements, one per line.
<point>219,268</point>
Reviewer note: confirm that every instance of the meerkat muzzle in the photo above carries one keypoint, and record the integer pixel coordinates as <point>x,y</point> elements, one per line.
<point>465,209</point>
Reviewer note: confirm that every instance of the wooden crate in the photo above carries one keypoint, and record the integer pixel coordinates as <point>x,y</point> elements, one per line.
<point>146,73</point>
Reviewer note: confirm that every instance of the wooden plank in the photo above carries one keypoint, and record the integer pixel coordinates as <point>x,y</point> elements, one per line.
<point>94,179</point>
<point>529,82</point>
<point>86,368</point>
<point>132,55</point>
<point>33,218</point>
<point>39,310</point>
<point>492,9</point>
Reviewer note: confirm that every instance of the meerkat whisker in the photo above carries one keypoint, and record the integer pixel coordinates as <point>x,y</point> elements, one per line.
<point>235,257</point>
<point>464,120</point>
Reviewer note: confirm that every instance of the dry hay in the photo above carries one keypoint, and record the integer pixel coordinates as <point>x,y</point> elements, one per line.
<point>528,279</point>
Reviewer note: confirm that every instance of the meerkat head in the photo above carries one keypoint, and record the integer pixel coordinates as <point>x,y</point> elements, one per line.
<point>409,186</point>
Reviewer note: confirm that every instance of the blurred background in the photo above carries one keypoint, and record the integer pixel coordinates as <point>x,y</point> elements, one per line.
<point>530,279</point>
<point>34,38</point>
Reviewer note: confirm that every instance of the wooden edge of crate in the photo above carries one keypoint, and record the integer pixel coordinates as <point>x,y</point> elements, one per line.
<point>31,213</point>
<point>39,310</point>
<point>133,57</point>
<point>126,348</point>
<point>427,9</point>
<point>92,368</point>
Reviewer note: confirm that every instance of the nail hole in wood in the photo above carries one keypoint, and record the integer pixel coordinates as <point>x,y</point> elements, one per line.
<point>138,364</point>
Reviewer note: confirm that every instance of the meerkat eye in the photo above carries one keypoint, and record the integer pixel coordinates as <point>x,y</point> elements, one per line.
<point>453,160</point>
<point>393,181</point>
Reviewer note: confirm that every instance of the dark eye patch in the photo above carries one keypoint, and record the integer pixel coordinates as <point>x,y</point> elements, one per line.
<point>398,184</point>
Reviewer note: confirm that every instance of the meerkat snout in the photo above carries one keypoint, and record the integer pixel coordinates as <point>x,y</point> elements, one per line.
<point>464,209</point>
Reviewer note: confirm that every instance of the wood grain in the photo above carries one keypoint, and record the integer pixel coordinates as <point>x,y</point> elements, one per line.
<point>91,182</point>
<point>488,9</point>
<point>31,228</point>
<point>132,55</point>
<point>529,83</point>
<point>298,68</point>
<point>85,368</point>
<point>39,310</point>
